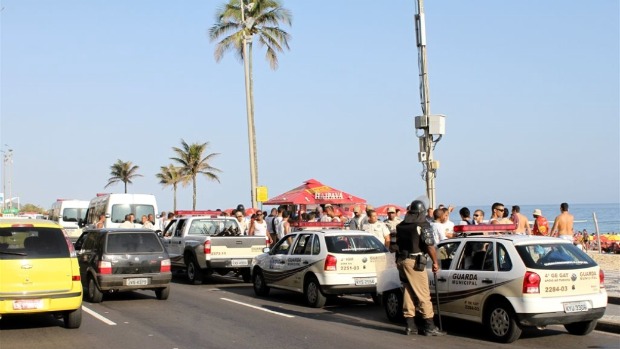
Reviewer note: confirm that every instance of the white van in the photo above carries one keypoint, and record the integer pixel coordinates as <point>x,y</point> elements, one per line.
<point>68,213</point>
<point>116,206</point>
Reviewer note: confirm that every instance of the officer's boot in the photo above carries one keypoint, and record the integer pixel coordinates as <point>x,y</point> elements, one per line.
<point>411,327</point>
<point>430,329</point>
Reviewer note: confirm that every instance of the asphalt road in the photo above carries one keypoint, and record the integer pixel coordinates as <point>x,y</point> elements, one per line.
<point>224,313</point>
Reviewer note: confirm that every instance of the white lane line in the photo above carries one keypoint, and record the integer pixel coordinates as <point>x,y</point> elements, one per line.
<point>99,317</point>
<point>258,308</point>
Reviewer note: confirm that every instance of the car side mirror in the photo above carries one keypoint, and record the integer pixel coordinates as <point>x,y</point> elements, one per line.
<point>266,250</point>
<point>81,223</point>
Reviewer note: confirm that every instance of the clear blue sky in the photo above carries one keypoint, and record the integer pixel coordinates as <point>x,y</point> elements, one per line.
<point>530,90</point>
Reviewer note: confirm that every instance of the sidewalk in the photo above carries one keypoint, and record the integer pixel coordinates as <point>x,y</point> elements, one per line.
<point>610,322</point>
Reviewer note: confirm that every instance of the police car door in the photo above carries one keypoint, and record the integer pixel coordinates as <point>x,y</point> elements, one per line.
<point>274,267</point>
<point>300,259</point>
<point>447,253</point>
<point>472,279</point>
<point>176,244</point>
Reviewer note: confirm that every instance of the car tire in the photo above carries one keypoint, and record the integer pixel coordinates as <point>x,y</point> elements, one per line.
<point>162,293</point>
<point>501,322</point>
<point>93,292</point>
<point>260,287</point>
<point>193,272</point>
<point>312,293</point>
<point>73,318</point>
<point>581,328</point>
<point>393,305</point>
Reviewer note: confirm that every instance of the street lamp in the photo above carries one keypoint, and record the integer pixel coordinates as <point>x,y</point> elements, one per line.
<point>7,160</point>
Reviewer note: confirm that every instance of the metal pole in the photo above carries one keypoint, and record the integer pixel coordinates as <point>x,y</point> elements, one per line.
<point>10,177</point>
<point>426,142</point>
<point>598,235</point>
<point>4,161</point>
<point>249,108</point>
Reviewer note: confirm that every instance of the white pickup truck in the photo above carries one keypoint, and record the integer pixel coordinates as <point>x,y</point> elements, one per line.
<point>205,244</point>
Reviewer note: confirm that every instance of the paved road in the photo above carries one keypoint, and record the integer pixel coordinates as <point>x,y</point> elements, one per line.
<point>225,314</point>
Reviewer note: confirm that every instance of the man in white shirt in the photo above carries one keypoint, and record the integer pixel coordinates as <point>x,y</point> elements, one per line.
<point>129,221</point>
<point>442,226</point>
<point>328,213</point>
<point>377,228</point>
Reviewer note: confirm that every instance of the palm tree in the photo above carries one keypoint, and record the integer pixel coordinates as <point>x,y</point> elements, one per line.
<point>236,23</point>
<point>171,175</point>
<point>192,163</point>
<point>122,172</point>
<point>262,18</point>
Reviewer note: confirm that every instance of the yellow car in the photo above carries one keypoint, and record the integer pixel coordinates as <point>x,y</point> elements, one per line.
<point>39,271</point>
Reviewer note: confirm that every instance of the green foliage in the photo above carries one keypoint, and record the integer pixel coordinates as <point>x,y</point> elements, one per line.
<point>32,208</point>
<point>122,172</point>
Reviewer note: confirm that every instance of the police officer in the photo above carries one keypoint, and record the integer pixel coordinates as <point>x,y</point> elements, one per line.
<point>414,239</point>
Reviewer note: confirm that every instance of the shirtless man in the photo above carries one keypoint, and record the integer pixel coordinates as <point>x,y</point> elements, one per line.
<point>563,224</point>
<point>523,226</point>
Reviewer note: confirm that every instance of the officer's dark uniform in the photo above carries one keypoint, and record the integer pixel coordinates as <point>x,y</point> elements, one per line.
<point>411,246</point>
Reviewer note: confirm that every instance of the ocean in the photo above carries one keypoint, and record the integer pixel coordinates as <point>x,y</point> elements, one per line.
<point>607,215</point>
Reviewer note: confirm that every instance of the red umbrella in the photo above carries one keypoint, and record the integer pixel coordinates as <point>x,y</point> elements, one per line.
<point>313,192</point>
<point>382,210</point>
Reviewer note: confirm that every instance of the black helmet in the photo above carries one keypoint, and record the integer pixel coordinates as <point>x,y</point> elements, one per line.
<point>240,207</point>
<point>417,206</point>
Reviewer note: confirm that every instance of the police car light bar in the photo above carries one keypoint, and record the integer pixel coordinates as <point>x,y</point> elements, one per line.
<point>484,228</point>
<point>329,225</point>
<point>197,213</point>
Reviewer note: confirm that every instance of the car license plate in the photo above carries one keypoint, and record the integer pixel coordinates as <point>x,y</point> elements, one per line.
<point>28,304</point>
<point>137,281</point>
<point>239,262</point>
<point>575,307</point>
<point>365,281</point>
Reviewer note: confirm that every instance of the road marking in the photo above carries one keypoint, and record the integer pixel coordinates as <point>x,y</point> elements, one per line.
<point>99,317</point>
<point>258,308</point>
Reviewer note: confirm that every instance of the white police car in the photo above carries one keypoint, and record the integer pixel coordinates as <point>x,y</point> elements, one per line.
<point>320,261</point>
<point>508,282</point>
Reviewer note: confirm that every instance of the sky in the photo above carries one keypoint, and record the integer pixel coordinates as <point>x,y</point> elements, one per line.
<point>530,90</point>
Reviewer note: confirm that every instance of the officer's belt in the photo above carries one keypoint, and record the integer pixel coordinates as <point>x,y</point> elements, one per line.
<point>414,255</point>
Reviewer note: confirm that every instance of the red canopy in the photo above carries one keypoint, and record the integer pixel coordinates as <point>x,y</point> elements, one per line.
<point>313,192</point>
<point>382,210</point>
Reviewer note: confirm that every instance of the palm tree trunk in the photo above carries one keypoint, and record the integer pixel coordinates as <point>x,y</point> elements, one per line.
<point>194,198</point>
<point>125,187</point>
<point>174,201</point>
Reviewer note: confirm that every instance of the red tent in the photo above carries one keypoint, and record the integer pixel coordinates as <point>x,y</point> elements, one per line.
<point>313,192</point>
<point>382,210</point>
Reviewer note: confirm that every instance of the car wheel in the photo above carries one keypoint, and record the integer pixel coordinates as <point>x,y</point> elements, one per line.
<point>501,322</point>
<point>312,292</point>
<point>73,319</point>
<point>162,293</point>
<point>581,328</point>
<point>194,273</point>
<point>260,287</point>
<point>393,305</point>
<point>245,274</point>
<point>94,294</point>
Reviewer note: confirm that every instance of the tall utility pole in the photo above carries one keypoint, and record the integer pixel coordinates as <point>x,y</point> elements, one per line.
<point>7,174</point>
<point>249,99</point>
<point>432,125</point>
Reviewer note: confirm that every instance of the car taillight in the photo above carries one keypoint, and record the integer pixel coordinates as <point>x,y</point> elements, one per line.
<point>267,244</point>
<point>601,278</point>
<point>531,282</point>
<point>331,262</point>
<point>165,266</point>
<point>208,247</point>
<point>70,246</point>
<point>105,267</point>
<point>76,278</point>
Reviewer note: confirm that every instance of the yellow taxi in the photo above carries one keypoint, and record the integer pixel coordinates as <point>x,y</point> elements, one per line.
<point>39,271</point>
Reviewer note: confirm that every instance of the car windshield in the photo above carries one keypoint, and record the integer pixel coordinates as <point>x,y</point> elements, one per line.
<point>120,210</point>
<point>30,242</point>
<point>352,244</point>
<point>125,242</point>
<point>554,256</point>
<point>213,226</point>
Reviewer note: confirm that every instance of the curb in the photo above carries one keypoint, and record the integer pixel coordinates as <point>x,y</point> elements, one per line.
<point>608,326</point>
